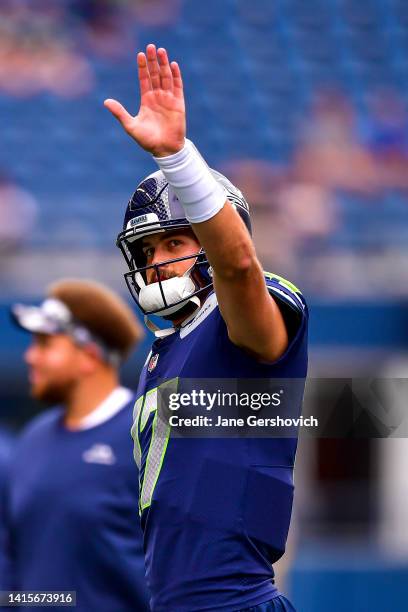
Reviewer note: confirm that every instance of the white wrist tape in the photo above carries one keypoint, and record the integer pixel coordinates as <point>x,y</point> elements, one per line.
<point>200,194</point>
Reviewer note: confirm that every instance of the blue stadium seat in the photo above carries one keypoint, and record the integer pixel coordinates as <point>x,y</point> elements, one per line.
<point>249,70</point>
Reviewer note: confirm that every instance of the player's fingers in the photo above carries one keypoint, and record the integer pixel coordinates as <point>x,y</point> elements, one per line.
<point>177,80</point>
<point>153,66</point>
<point>119,112</point>
<point>166,77</point>
<point>144,77</point>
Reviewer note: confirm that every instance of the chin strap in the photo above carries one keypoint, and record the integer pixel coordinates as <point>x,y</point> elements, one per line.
<point>159,333</point>
<point>162,333</point>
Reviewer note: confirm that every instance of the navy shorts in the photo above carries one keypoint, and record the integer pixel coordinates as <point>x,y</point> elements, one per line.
<point>277,604</point>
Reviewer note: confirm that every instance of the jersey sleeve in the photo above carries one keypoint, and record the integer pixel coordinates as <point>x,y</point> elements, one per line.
<point>291,302</point>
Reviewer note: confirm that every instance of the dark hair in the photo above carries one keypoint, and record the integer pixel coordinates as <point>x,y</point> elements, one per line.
<point>101,311</point>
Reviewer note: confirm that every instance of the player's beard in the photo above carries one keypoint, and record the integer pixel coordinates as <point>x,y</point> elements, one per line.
<point>51,392</point>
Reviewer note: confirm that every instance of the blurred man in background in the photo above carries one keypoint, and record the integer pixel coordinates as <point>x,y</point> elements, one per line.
<point>71,514</point>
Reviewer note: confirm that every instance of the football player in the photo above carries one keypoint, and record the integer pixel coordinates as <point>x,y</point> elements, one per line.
<point>70,514</point>
<point>215,512</point>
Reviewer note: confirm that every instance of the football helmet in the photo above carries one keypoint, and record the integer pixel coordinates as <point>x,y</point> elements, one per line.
<point>154,208</point>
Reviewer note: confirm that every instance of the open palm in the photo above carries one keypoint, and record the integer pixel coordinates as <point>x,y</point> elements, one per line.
<point>160,125</point>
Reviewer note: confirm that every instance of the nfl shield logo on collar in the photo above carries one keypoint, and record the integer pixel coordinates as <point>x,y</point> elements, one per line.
<point>153,362</point>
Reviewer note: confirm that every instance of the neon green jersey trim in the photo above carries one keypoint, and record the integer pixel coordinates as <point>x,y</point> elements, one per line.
<point>283,281</point>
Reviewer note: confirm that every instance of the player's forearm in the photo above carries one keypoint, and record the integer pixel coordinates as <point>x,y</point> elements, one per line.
<point>231,253</point>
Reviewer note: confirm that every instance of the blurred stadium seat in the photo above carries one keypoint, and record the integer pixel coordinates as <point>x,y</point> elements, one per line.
<point>250,71</point>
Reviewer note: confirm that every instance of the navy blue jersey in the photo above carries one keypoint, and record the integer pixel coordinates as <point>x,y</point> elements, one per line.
<point>215,512</point>
<point>72,519</point>
<point>6,442</point>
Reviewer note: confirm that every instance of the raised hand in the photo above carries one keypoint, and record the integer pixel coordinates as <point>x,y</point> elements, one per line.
<point>160,125</point>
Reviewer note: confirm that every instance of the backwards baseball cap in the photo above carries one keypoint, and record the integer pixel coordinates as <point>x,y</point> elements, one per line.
<point>88,312</point>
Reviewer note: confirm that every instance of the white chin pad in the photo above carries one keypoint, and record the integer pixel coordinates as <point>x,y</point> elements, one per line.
<point>174,289</point>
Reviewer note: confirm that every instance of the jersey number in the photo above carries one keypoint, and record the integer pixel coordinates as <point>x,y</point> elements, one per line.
<point>160,434</point>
